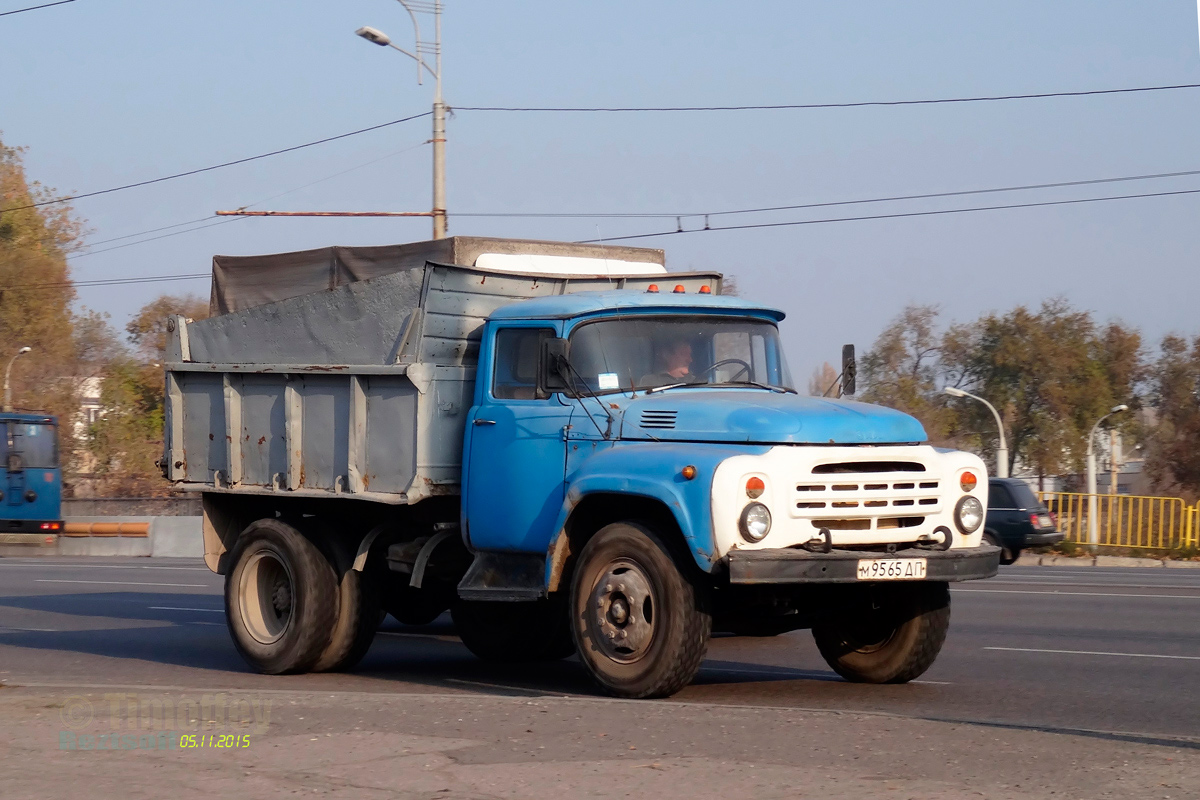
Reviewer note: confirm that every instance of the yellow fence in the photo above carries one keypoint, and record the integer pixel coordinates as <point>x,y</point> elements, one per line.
<point>1149,523</point>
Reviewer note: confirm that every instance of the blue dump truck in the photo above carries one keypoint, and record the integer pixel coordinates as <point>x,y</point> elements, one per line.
<point>570,449</point>
<point>32,477</point>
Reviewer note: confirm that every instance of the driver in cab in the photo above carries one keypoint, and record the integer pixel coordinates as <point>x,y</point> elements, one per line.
<point>675,365</point>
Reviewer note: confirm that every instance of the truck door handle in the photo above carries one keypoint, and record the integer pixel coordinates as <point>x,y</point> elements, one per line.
<point>480,421</point>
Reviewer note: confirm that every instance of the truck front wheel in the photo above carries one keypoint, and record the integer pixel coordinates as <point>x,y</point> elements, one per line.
<point>891,635</point>
<point>639,623</point>
<point>281,598</point>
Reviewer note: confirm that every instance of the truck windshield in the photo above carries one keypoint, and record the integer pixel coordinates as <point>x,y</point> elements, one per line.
<point>29,445</point>
<point>639,353</point>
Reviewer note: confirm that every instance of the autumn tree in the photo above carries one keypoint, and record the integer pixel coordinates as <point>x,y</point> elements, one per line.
<point>902,369</point>
<point>1173,446</point>
<point>127,441</point>
<point>1051,373</point>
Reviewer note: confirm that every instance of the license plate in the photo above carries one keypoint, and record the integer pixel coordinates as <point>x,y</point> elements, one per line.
<point>1044,521</point>
<point>891,569</point>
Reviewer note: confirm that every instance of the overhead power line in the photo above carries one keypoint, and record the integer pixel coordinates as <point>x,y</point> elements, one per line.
<point>281,151</point>
<point>898,215</point>
<point>888,199</point>
<point>858,104</point>
<point>35,8</point>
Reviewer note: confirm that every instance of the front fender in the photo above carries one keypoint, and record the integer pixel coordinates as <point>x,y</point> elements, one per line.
<point>655,470</point>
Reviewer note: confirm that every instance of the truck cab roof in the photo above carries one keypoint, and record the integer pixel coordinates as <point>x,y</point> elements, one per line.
<point>579,304</point>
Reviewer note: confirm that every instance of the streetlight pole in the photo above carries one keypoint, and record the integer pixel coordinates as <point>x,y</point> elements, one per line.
<point>376,36</point>
<point>1002,450</point>
<point>8,374</point>
<point>1093,500</point>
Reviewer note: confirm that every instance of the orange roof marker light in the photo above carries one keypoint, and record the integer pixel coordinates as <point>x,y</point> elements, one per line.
<point>652,288</point>
<point>679,288</point>
<point>705,290</point>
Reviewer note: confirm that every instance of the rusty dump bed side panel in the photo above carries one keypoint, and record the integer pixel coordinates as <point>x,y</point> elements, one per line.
<point>360,391</point>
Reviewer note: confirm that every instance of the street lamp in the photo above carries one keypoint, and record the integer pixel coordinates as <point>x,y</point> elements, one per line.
<point>376,36</point>
<point>7,373</point>
<point>1002,450</point>
<point>1093,500</point>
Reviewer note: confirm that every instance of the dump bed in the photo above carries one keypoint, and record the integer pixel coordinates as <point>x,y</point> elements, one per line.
<point>359,391</point>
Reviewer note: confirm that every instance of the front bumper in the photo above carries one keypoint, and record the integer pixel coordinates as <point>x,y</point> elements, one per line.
<point>1039,539</point>
<point>841,566</point>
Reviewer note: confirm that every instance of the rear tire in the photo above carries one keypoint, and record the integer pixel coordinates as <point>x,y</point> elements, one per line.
<point>514,632</point>
<point>892,636</point>
<point>1007,556</point>
<point>640,625</point>
<point>355,625</point>
<point>281,598</point>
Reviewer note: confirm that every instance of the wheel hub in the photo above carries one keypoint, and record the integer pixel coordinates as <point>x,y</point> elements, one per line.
<point>624,603</point>
<point>265,595</point>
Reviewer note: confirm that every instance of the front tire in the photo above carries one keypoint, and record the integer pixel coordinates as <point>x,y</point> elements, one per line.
<point>1007,555</point>
<point>640,625</point>
<point>892,636</point>
<point>281,598</point>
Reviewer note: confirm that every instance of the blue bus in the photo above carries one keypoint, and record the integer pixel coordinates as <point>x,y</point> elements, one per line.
<point>32,475</point>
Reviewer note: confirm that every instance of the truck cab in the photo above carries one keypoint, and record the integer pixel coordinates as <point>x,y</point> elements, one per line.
<point>669,422</point>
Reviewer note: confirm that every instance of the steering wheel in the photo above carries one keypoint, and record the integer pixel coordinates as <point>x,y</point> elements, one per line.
<point>745,370</point>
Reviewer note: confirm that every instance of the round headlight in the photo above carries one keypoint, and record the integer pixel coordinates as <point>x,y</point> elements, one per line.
<point>755,523</point>
<point>968,514</point>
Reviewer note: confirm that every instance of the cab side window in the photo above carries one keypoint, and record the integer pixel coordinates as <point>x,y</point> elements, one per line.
<point>516,366</point>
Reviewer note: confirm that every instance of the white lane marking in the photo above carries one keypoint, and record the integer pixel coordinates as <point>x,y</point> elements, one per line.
<point>10,628</point>
<point>1091,653</point>
<point>124,583</point>
<point>178,608</point>
<point>1082,594</point>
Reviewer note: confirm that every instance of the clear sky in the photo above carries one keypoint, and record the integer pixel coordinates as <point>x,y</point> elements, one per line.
<point>105,92</point>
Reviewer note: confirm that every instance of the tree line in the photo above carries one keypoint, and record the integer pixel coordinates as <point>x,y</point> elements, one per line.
<point>1052,372</point>
<point>115,453</point>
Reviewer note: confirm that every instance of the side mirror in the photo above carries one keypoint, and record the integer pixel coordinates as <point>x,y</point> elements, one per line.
<point>554,366</point>
<point>849,369</point>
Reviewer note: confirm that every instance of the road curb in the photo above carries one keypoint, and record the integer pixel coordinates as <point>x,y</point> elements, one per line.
<point>1036,560</point>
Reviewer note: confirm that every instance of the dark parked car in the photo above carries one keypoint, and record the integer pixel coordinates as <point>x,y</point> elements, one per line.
<point>1016,519</point>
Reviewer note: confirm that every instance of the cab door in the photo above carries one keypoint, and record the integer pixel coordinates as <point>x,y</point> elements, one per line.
<point>515,452</point>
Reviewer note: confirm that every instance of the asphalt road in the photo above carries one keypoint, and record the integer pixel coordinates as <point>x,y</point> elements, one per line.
<point>1088,659</point>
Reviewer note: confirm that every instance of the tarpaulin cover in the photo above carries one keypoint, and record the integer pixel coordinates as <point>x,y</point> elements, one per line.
<point>242,282</point>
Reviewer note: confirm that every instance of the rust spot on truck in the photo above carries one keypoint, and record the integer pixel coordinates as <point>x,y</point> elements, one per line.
<point>210,437</point>
<point>261,439</point>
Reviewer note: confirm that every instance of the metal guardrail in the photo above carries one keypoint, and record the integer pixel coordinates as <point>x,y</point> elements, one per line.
<point>1134,521</point>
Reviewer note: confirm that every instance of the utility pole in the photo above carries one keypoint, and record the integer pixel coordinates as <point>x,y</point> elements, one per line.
<point>422,49</point>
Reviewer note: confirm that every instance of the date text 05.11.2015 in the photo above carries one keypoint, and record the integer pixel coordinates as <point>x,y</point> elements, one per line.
<point>214,740</point>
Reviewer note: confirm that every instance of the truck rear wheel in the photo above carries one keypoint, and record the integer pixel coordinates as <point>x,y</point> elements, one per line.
<point>639,625</point>
<point>514,632</point>
<point>892,636</point>
<point>355,625</point>
<point>281,598</point>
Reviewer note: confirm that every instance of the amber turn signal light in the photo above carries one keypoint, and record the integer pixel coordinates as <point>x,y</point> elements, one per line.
<point>755,487</point>
<point>688,472</point>
<point>968,481</point>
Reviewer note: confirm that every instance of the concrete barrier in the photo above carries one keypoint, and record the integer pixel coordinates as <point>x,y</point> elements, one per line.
<point>165,536</point>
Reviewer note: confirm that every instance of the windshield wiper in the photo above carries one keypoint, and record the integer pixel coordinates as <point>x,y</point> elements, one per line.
<point>654,389</point>
<point>779,389</point>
